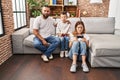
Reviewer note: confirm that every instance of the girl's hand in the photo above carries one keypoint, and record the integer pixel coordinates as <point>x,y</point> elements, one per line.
<point>75,39</point>
<point>84,39</point>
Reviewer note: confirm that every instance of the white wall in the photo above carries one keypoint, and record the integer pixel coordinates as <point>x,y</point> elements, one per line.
<point>114,11</point>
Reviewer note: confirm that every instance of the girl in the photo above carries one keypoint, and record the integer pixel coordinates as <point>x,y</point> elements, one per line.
<point>79,42</point>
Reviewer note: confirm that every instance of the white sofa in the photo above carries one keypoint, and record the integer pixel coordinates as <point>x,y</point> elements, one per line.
<point>104,50</point>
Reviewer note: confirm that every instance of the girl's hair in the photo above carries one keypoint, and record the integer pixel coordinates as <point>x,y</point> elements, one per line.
<point>79,23</point>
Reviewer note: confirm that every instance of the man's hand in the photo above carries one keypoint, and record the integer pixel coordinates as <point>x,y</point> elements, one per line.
<point>45,43</point>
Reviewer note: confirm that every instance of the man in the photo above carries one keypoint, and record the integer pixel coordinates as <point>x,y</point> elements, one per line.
<point>43,28</point>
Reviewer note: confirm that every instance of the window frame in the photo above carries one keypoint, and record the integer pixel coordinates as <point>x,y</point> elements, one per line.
<point>19,15</point>
<point>2,26</point>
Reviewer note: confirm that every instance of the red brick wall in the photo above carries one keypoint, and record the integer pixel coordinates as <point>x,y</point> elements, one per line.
<point>94,10</point>
<point>5,41</point>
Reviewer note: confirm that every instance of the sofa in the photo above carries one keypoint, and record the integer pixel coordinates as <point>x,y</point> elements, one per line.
<point>104,47</point>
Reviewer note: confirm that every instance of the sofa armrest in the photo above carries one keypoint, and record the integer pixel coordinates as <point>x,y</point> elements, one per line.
<point>17,40</point>
<point>117,32</point>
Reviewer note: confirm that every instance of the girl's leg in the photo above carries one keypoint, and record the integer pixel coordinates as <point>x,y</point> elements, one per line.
<point>83,52</point>
<point>73,54</point>
<point>74,59</point>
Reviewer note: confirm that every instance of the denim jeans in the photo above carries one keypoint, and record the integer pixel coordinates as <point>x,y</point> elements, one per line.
<point>64,42</point>
<point>53,43</point>
<point>78,48</point>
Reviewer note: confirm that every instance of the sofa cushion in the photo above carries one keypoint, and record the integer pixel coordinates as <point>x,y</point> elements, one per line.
<point>28,41</point>
<point>105,45</point>
<point>99,25</point>
<point>93,25</point>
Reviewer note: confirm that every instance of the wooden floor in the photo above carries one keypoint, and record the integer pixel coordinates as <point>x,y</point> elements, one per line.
<point>31,67</point>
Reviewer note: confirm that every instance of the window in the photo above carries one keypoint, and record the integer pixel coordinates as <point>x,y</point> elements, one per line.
<point>1,23</point>
<point>19,13</point>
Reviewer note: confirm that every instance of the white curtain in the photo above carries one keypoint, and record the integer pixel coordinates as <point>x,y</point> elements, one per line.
<point>114,11</point>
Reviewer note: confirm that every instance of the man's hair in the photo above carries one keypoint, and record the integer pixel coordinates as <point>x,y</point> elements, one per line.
<point>46,6</point>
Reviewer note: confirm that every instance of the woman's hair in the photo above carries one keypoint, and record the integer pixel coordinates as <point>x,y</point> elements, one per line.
<point>79,23</point>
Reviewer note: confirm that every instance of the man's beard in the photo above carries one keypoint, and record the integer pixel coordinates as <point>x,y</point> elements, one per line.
<point>45,16</point>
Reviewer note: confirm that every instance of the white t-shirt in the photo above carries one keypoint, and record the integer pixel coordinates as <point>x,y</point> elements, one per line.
<point>62,27</point>
<point>84,35</point>
<point>45,26</point>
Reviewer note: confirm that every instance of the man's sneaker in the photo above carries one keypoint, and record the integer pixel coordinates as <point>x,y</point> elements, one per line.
<point>61,54</point>
<point>44,57</point>
<point>66,53</point>
<point>73,68</point>
<point>51,56</point>
<point>85,68</point>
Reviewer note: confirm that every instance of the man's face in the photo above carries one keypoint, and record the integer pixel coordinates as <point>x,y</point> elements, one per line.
<point>45,12</point>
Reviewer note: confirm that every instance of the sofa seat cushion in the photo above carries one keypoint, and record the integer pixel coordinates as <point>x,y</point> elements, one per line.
<point>105,45</point>
<point>28,41</point>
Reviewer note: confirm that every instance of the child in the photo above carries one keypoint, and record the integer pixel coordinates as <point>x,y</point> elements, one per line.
<point>62,32</point>
<point>79,42</point>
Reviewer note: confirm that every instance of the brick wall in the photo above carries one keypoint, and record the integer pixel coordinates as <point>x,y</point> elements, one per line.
<point>94,10</point>
<point>5,41</point>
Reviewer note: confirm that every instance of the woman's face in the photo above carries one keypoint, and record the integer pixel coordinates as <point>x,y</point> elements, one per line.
<point>79,28</point>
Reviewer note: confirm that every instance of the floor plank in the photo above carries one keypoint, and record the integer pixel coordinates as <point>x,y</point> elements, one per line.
<point>31,67</point>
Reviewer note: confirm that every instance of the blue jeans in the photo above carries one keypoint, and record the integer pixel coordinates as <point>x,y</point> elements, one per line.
<point>78,48</point>
<point>64,41</point>
<point>54,41</point>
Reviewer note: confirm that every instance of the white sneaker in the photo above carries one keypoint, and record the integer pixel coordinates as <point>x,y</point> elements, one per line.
<point>85,67</point>
<point>51,56</point>
<point>61,54</point>
<point>44,57</point>
<point>66,53</point>
<point>73,68</point>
